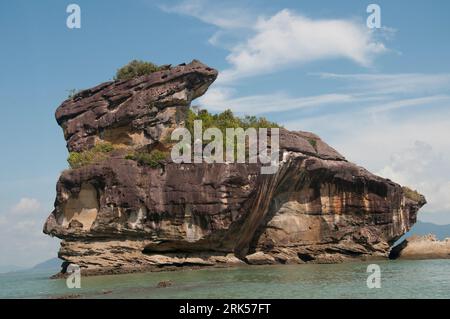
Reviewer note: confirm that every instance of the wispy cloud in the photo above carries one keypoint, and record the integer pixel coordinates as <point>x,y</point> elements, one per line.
<point>412,150</point>
<point>370,100</point>
<point>281,40</point>
<point>374,119</point>
<point>26,205</point>
<point>214,13</point>
<point>276,42</point>
<point>403,103</point>
<point>24,222</point>
<point>288,38</point>
<point>422,166</point>
<point>392,83</point>
<point>221,98</point>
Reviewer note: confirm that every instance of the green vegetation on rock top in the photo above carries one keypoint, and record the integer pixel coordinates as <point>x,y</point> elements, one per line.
<point>94,155</point>
<point>136,68</point>
<point>152,159</point>
<point>412,194</point>
<point>225,120</point>
<point>72,92</point>
<point>313,143</point>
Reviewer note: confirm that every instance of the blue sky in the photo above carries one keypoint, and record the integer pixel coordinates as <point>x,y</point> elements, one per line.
<point>381,97</point>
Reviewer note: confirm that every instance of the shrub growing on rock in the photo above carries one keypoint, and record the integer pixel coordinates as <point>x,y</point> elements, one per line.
<point>313,143</point>
<point>136,68</point>
<point>95,154</point>
<point>412,194</point>
<point>72,92</point>
<point>152,159</point>
<point>225,120</point>
<point>104,147</point>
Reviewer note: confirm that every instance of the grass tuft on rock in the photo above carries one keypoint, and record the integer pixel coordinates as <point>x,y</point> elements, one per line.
<point>72,93</point>
<point>94,155</point>
<point>225,120</point>
<point>313,143</point>
<point>136,68</point>
<point>152,159</point>
<point>412,194</point>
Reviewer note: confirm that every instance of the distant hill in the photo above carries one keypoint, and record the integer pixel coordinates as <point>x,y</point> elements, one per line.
<point>423,228</point>
<point>9,268</point>
<point>54,263</point>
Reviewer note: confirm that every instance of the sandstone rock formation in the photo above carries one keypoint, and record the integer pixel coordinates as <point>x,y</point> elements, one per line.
<point>422,247</point>
<point>119,215</point>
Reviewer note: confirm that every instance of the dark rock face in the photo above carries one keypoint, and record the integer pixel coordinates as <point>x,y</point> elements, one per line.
<point>118,214</point>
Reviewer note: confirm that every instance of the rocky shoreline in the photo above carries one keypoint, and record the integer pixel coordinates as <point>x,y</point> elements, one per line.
<point>89,272</point>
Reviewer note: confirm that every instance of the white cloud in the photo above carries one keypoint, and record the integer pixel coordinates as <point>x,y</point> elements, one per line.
<point>26,205</point>
<point>214,13</point>
<point>221,98</point>
<point>28,226</point>
<point>287,38</point>
<point>233,23</point>
<point>374,119</point>
<point>403,103</point>
<point>425,169</point>
<point>370,141</point>
<point>267,44</point>
<point>393,83</point>
<point>388,145</point>
<point>21,228</point>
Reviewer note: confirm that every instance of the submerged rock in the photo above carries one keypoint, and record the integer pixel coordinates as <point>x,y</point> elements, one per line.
<point>117,214</point>
<point>164,284</point>
<point>422,247</point>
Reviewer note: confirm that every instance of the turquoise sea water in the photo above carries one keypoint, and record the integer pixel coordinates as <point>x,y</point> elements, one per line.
<point>399,279</point>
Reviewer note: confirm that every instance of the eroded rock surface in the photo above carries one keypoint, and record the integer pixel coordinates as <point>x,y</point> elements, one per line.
<point>134,112</point>
<point>117,214</point>
<point>422,247</point>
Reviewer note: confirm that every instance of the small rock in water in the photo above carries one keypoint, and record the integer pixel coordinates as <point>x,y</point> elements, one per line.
<point>74,296</point>
<point>164,284</point>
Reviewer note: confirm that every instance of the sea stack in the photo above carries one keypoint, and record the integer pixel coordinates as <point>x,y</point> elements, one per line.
<point>119,214</point>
